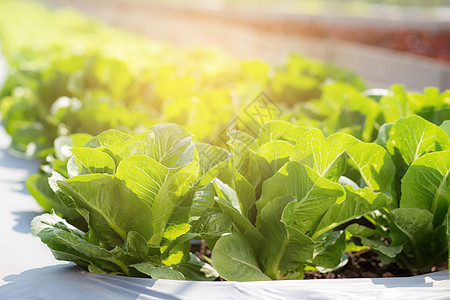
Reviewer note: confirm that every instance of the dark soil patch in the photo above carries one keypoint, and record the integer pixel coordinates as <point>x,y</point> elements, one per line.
<point>366,264</point>
<point>361,264</point>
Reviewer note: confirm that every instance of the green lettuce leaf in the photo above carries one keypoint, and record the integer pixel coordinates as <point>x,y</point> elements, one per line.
<point>197,270</point>
<point>314,193</point>
<point>234,259</point>
<point>72,244</point>
<point>412,137</point>
<point>426,185</point>
<point>159,187</point>
<point>395,104</point>
<point>90,161</point>
<point>272,131</point>
<point>357,203</point>
<point>374,164</point>
<point>324,155</point>
<point>272,156</point>
<point>158,272</point>
<point>169,144</point>
<point>287,249</point>
<point>111,220</point>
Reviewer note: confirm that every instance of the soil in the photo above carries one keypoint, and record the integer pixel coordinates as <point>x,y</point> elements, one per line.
<point>366,264</point>
<point>361,264</point>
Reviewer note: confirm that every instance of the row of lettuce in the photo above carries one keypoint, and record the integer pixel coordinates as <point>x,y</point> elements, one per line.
<point>275,205</point>
<point>68,74</point>
<point>129,200</point>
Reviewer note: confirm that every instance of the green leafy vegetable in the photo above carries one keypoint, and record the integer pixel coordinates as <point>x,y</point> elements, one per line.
<point>234,259</point>
<point>290,225</point>
<point>128,208</point>
<point>414,235</point>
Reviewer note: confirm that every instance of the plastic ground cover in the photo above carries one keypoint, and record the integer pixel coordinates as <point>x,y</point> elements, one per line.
<point>29,271</point>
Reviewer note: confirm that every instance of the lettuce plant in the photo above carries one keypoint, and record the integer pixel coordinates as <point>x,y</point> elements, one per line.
<point>130,191</point>
<point>277,201</point>
<point>400,186</point>
<point>415,233</point>
<point>277,204</point>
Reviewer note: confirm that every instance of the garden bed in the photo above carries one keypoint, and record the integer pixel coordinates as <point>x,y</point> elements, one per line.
<point>29,269</point>
<point>319,169</point>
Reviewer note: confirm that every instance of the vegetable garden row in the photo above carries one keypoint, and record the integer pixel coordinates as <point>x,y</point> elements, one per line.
<point>135,166</point>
